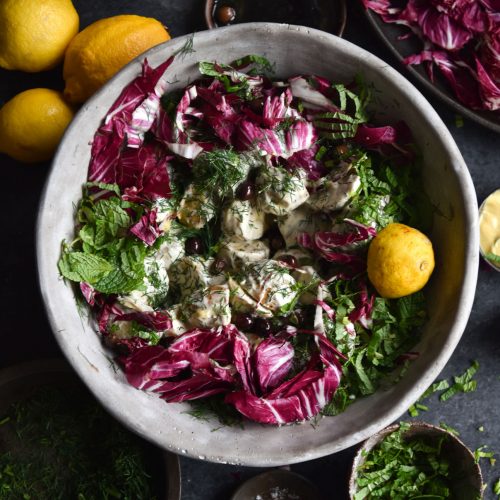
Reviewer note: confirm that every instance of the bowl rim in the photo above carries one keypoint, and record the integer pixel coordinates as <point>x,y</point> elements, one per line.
<point>465,296</point>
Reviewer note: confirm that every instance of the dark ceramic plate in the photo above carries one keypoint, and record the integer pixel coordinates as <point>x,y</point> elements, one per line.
<point>21,381</point>
<point>389,33</point>
<point>326,15</point>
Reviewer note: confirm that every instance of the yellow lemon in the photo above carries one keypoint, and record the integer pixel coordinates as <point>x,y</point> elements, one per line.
<point>32,124</point>
<point>35,33</point>
<point>400,261</point>
<point>103,48</point>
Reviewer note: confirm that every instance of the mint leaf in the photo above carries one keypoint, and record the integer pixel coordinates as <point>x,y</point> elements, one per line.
<point>104,187</point>
<point>80,266</point>
<point>261,64</point>
<point>118,282</point>
<point>132,261</point>
<point>112,215</point>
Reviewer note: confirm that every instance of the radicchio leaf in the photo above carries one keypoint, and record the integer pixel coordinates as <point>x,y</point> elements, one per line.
<point>146,229</point>
<point>272,360</point>
<point>110,136</point>
<point>299,398</point>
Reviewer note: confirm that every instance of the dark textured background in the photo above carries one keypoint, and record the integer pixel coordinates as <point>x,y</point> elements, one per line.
<point>25,333</point>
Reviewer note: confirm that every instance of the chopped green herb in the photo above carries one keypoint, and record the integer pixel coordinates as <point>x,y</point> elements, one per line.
<point>441,385</point>
<point>462,383</point>
<point>402,468</point>
<point>63,445</point>
<point>481,453</point>
<point>459,121</point>
<point>260,64</point>
<point>496,487</point>
<point>480,429</point>
<point>493,258</point>
<point>447,428</point>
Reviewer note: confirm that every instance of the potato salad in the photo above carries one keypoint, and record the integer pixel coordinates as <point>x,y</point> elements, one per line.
<point>222,234</point>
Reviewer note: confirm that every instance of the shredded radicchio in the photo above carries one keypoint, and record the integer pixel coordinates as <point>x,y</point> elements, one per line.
<point>461,38</point>
<point>213,361</point>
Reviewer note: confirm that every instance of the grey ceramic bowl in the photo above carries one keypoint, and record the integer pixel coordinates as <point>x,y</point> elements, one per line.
<point>455,235</point>
<point>467,478</point>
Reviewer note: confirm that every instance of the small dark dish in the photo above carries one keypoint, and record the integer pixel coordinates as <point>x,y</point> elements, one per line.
<point>468,480</point>
<point>21,382</point>
<point>326,15</point>
<point>389,34</point>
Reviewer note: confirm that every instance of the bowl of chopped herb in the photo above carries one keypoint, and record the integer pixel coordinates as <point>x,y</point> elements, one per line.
<point>415,460</point>
<point>56,441</point>
<point>219,248</point>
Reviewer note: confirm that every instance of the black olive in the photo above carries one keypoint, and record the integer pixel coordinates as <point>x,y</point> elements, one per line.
<point>218,266</point>
<point>243,321</point>
<point>277,242</point>
<point>262,326</point>
<point>245,191</point>
<point>288,259</point>
<point>225,14</point>
<point>257,105</point>
<point>193,245</point>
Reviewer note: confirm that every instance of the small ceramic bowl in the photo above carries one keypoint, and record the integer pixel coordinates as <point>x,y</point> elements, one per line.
<point>481,222</point>
<point>277,484</point>
<point>468,480</point>
<point>328,15</point>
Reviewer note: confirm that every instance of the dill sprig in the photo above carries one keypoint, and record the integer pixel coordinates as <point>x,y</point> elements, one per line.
<point>63,445</point>
<point>214,406</point>
<point>218,172</point>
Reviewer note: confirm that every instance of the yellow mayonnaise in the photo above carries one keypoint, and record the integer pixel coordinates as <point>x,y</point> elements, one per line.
<point>489,225</point>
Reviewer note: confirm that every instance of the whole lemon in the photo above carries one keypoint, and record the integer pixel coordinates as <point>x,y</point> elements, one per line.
<point>32,124</point>
<point>400,261</point>
<point>103,48</point>
<point>35,33</point>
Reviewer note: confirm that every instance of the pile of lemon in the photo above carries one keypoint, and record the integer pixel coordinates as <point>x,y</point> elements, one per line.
<point>37,36</point>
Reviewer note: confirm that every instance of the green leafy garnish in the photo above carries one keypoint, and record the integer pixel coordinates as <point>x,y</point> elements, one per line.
<point>441,385</point>
<point>481,453</point>
<point>260,64</point>
<point>492,258</point>
<point>449,429</point>
<point>218,172</point>
<point>343,124</point>
<point>235,81</point>
<point>63,445</point>
<point>105,254</point>
<point>372,355</point>
<point>403,467</point>
<point>80,266</point>
<point>496,487</point>
<point>462,383</point>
